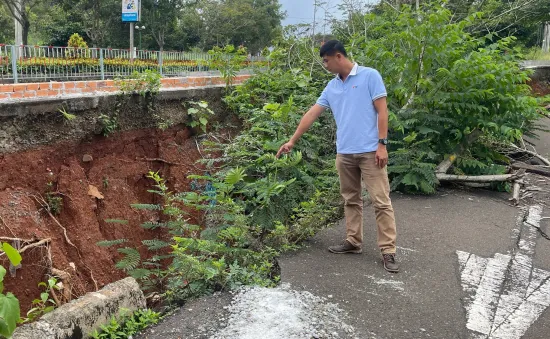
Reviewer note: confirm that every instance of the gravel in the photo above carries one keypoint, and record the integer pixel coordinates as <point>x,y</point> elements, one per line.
<point>273,313</point>
<point>256,312</point>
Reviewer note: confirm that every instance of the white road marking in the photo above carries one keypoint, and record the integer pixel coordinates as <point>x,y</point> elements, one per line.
<point>472,268</point>
<point>406,249</point>
<point>482,312</point>
<point>506,295</point>
<point>395,284</point>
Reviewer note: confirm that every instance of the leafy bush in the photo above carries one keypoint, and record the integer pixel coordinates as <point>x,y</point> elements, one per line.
<point>143,83</point>
<point>9,312</point>
<point>77,47</point>
<point>228,60</point>
<point>199,114</point>
<point>445,87</point>
<point>44,304</point>
<point>127,324</point>
<point>76,41</point>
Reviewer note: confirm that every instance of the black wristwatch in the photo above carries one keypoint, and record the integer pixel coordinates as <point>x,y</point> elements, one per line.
<point>383,141</point>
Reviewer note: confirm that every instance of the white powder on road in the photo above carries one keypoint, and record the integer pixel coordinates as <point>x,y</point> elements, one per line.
<point>282,313</point>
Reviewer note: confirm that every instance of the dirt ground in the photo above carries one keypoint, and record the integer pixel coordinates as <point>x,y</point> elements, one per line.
<point>118,171</point>
<point>541,88</point>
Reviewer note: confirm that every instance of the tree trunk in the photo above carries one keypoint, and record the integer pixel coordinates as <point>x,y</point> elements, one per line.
<point>541,170</point>
<point>479,178</point>
<point>26,27</point>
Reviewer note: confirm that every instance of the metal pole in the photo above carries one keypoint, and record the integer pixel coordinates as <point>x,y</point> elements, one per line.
<point>199,62</point>
<point>131,41</point>
<point>160,63</point>
<point>14,64</point>
<point>101,64</point>
<point>546,38</point>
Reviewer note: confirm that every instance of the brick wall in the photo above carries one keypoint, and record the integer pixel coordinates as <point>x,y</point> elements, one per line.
<point>59,89</point>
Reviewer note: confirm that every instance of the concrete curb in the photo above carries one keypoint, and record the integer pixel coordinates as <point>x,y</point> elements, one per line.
<point>80,317</point>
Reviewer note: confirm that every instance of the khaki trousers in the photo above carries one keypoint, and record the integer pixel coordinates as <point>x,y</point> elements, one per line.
<point>351,167</point>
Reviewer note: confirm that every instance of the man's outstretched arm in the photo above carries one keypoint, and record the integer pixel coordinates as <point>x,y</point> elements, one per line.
<point>307,120</point>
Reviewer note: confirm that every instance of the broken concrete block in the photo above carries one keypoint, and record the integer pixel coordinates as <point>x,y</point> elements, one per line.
<point>77,319</point>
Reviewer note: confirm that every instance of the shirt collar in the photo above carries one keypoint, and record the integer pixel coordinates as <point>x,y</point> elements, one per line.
<point>353,71</point>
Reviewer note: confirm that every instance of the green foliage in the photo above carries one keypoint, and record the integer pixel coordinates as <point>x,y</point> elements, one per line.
<point>67,116</point>
<point>44,304</point>
<point>209,23</point>
<point>9,305</point>
<point>127,324</point>
<point>6,21</point>
<point>155,244</point>
<point>109,123</point>
<point>199,114</point>
<point>448,90</point>
<point>131,259</point>
<point>54,200</point>
<point>9,314</point>
<point>411,166</point>
<point>150,207</point>
<point>109,243</point>
<point>143,83</point>
<point>77,47</point>
<point>147,85</point>
<point>171,24</point>
<point>12,254</point>
<point>228,60</point>
<point>536,53</point>
<point>76,41</point>
<point>523,19</point>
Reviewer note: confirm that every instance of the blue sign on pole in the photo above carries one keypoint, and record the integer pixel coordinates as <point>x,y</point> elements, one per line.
<point>131,10</point>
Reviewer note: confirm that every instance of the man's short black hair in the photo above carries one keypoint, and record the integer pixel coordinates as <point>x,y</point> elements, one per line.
<point>332,47</point>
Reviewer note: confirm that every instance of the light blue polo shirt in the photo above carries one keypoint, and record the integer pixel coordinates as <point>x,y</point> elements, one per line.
<point>352,104</point>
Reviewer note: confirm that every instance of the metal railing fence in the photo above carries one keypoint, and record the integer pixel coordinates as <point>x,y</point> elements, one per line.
<point>48,63</point>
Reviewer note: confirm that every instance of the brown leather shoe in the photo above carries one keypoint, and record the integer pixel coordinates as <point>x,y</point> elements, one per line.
<point>389,262</point>
<point>345,247</point>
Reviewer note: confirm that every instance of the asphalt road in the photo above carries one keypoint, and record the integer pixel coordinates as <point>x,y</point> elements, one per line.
<point>426,299</point>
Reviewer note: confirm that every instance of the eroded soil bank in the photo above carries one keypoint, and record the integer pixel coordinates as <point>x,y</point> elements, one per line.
<point>117,166</point>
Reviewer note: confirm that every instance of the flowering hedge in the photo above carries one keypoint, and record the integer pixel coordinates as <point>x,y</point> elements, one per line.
<point>87,63</point>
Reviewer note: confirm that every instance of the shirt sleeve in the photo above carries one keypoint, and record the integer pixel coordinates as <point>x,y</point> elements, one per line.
<point>376,87</point>
<point>323,99</point>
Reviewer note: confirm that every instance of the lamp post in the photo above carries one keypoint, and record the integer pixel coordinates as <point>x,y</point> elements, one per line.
<point>140,29</point>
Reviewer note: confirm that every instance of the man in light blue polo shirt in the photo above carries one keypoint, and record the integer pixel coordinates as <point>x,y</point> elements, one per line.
<point>357,99</point>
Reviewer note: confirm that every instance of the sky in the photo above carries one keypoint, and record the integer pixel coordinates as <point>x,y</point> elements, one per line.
<point>301,11</point>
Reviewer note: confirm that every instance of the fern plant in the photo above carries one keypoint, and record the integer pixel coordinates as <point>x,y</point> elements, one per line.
<point>109,243</point>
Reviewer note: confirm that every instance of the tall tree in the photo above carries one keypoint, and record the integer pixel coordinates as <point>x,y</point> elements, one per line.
<point>6,24</point>
<point>99,16</point>
<point>253,23</point>
<point>20,10</point>
<point>160,16</point>
<point>521,18</point>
